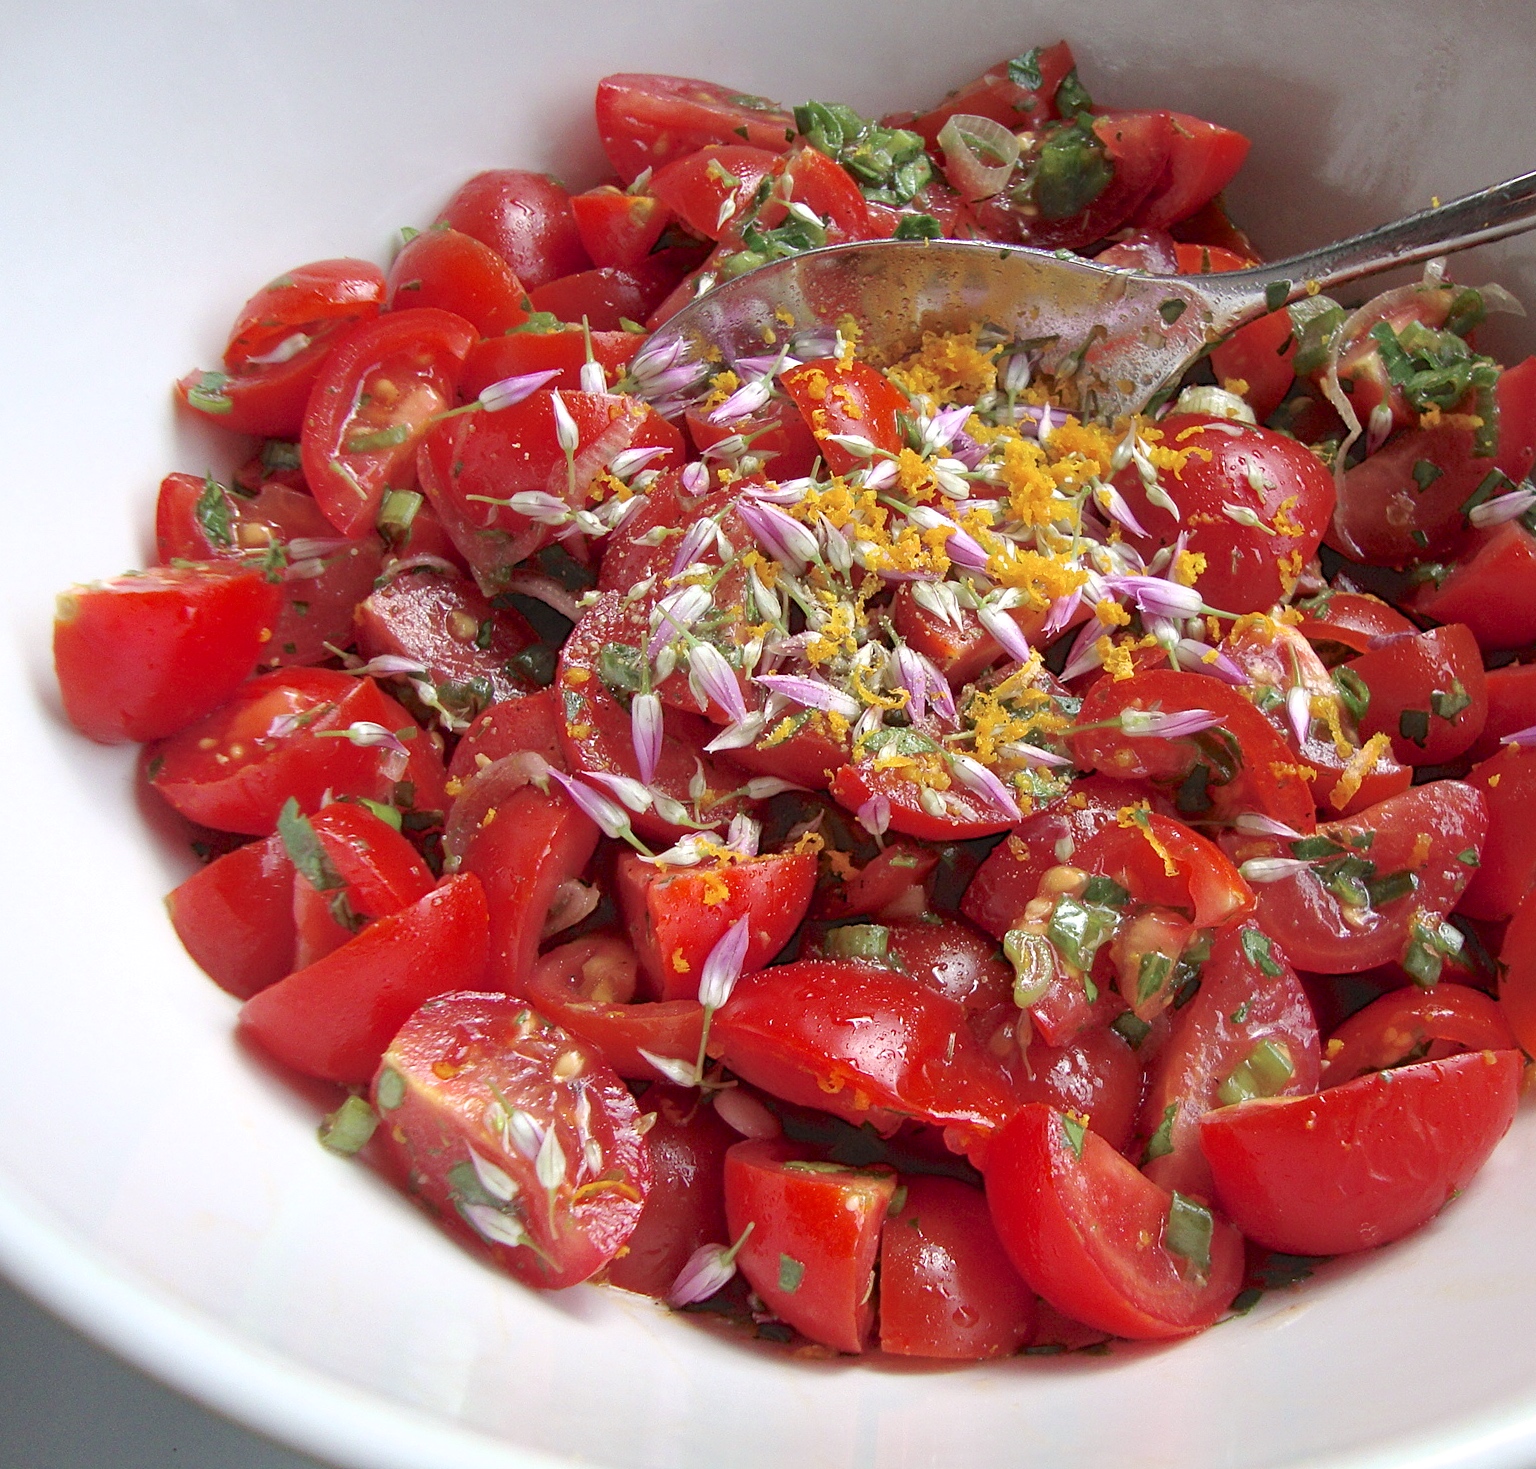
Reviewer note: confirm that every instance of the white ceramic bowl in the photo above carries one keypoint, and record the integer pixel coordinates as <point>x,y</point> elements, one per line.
<point>163,1191</point>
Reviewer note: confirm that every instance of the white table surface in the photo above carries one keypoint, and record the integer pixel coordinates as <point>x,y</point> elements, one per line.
<point>66,1404</point>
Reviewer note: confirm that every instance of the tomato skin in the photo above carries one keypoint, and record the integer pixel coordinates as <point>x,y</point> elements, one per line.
<point>1139,856</point>
<point>316,605</point>
<point>588,986</point>
<point>856,399</point>
<point>1244,570</point>
<point>675,916</point>
<point>893,884</point>
<point>1237,1007</point>
<point>1094,1074</point>
<point>1507,862</point>
<point>1364,1163</point>
<point>334,1019</point>
<point>230,772</point>
<point>561,351</point>
<point>523,846</point>
<point>1391,1028</point>
<point>606,297</point>
<point>141,657</point>
<point>696,186</point>
<point>235,917</point>
<point>966,814</point>
<point>778,434</point>
<point>524,217</point>
<point>419,354</point>
<point>645,120</point>
<point>947,1288</point>
<point>1406,676</point>
<point>380,874</point>
<point>1511,706</point>
<point>1203,159</point>
<point>826,1222</point>
<point>1491,588</point>
<point>437,1091</point>
<point>1349,620</point>
<point>996,95</point>
<point>1308,918</point>
<point>862,1042</point>
<point>685,1204</point>
<point>531,722</point>
<point>1074,1228</point>
<point>1517,977</point>
<point>267,399</point>
<point>618,228</point>
<point>452,271</point>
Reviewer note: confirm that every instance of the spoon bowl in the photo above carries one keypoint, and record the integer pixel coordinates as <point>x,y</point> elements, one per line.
<point>1122,336</point>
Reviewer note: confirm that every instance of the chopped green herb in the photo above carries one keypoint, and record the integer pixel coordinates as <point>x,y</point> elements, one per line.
<point>1034,965</point>
<point>1075,1129</point>
<point>1448,705</point>
<point>869,941</point>
<point>348,1128</point>
<point>1256,946</point>
<point>1152,975</point>
<point>791,1273</point>
<point>1130,1028</point>
<point>1413,724</point>
<point>1276,293</point>
<point>304,849</point>
<point>1425,473</point>
<point>1468,857</point>
<point>1388,889</point>
<point>1105,892</point>
<point>1314,848</point>
<point>1070,172</point>
<point>1160,1144</point>
<point>389,1089</point>
<point>1264,1072</point>
<point>1072,97</point>
<point>918,227</point>
<point>1188,1232</point>
<point>1172,309</point>
<point>1024,71</point>
<point>1078,930</point>
<point>212,512</point>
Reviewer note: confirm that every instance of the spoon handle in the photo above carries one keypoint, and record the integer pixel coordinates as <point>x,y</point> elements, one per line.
<point>1490,214</point>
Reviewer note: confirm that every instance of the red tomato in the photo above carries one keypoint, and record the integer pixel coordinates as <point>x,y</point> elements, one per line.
<point>1092,1235</point>
<point>280,736</point>
<point>815,1237</point>
<point>516,1135</point>
<point>608,297</point>
<point>1248,1022</point>
<point>278,343</point>
<point>1341,623</point>
<point>497,455</point>
<point>996,94</point>
<point>365,870</point>
<point>645,121</point>
<point>1134,146</point>
<point>862,1042</point>
<point>676,915</point>
<point>685,1204</point>
<point>334,1018</point>
<point>947,1289</point>
<point>1161,861</point>
<point>1283,483</point>
<point>523,845</point>
<point>372,405</point>
<point>455,272</point>
<point>1259,354</point>
<point>827,190</point>
<point>142,656</point>
<point>617,227</point>
<point>1517,974</point>
<point>235,917</point>
<point>1427,692</point>
<point>1250,768</point>
<point>1364,1163</point>
<point>893,884</point>
<point>1422,844</point>
<point>588,986</point>
<point>1511,706</point>
<point>524,217</point>
<point>1491,587</point>
<point>323,577</point>
<point>1010,877</point>
<point>563,351</point>
<point>855,400</point>
<point>529,723</point>
<point>1095,1074</point>
<point>965,813</point>
<point>1202,160</point>
<point>438,618</point>
<point>709,188</point>
<point>1507,862</point>
<point>778,435</point>
<point>1449,1017</point>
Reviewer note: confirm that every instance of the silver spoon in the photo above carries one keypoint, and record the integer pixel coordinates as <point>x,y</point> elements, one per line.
<point>1124,335</point>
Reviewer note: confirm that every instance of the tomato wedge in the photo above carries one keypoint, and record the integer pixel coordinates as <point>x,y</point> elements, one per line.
<point>1364,1163</point>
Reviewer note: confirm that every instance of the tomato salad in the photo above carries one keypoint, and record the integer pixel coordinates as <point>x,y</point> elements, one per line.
<point>863,847</point>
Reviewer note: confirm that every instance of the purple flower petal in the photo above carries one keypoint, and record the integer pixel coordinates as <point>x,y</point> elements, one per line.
<point>714,681</point>
<point>1084,653</point>
<point>1502,508</point>
<point>810,693</point>
<point>746,400</point>
<point>1006,631</point>
<point>646,734</point>
<point>875,815</point>
<point>699,535</point>
<point>975,776</point>
<point>1522,737</point>
<point>1158,724</point>
<point>1298,712</point>
<point>1253,824</point>
<point>695,478</point>
<point>1153,595</point>
<point>1195,657</point>
<point>780,535</point>
<point>609,816</point>
<point>510,391</point>
<point>674,614</point>
<point>722,968</point>
<point>1113,504</point>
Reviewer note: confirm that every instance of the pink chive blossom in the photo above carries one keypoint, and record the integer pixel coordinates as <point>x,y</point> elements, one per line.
<point>875,815</point>
<point>1501,509</point>
<point>674,614</point>
<point>1034,755</point>
<point>975,777</point>
<point>607,814</point>
<point>810,693</point>
<point>962,548</point>
<point>941,429</point>
<point>1271,869</point>
<point>366,734</point>
<point>1083,656</point>
<point>722,968</point>
<point>708,1269</point>
<point>1160,598</point>
<point>764,787</point>
<point>629,462</point>
<point>855,444</point>
<point>743,835</point>
<point>1197,657</point>
<point>567,435</point>
<point>633,793</point>
<point>780,535</point>
<point>387,665</point>
<point>1060,613</point>
<point>1298,712</point>
<point>691,547</point>
<point>695,477</point>
<point>967,450</point>
<point>714,681</point>
<point>592,377</point>
<point>1158,724</point>
<point>1378,427</point>
<point>510,391</point>
<point>910,674</point>
<point>880,476</point>
<point>1005,630</point>
<point>1254,824</point>
<point>679,1073</point>
<point>1114,505</point>
<point>646,734</point>
<point>739,735</point>
<point>765,366</point>
<point>1522,737</point>
<point>745,401</point>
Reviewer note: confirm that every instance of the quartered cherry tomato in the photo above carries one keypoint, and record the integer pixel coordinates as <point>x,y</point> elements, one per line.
<point>525,218</point>
<point>454,272</point>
